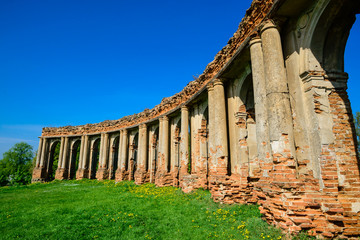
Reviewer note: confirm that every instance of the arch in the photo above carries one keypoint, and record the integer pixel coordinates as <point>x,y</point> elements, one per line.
<point>74,158</point>
<point>94,157</point>
<point>53,160</point>
<point>325,29</point>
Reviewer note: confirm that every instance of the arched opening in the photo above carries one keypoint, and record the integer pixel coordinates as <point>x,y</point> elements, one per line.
<point>94,158</point>
<point>53,160</point>
<point>133,156</point>
<point>74,158</point>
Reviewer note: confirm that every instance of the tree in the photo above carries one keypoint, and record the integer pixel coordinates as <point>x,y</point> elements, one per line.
<point>357,129</point>
<point>16,165</point>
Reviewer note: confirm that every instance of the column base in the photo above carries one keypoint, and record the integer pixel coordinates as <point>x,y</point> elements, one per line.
<point>140,176</point>
<point>39,175</point>
<point>132,169</point>
<point>163,179</point>
<point>112,173</point>
<point>82,173</point>
<point>175,177</point>
<point>61,174</point>
<point>102,174</point>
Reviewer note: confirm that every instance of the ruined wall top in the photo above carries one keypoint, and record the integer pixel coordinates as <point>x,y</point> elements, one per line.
<point>253,17</point>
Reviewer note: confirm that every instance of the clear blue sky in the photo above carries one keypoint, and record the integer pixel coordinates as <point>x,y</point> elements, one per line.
<point>72,62</point>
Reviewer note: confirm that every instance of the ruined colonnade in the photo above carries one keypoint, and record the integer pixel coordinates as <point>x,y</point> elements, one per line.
<point>268,122</point>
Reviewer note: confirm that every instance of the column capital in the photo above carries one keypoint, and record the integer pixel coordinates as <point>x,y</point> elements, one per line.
<point>184,108</point>
<point>142,126</point>
<point>254,40</point>
<point>218,81</point>
<point>210,87</point>
<point>270,23</point>
<point>165,118</point>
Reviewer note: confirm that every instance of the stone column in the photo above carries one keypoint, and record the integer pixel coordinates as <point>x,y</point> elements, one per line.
<point>278,101</point>
<point>118,170</point>
<point>184,144</point>
<point>140,171</point>
<point>152,154</point>
<point>59,169</point>
<point>62,142</point>
<point>91,159</point>
<point>81,172</point>
<point>166,143</point>
<point>85,153</point>
<point>103,172</point>
<point>142,145</point>
<point>163,153</point>
<point>81,151</point>
<point>106,151</point>
<point>43,153</point>
<point>112,160</point>
<point>85,162</point>
<point>258,74</point>
<point>211,125</point>
<point>120,174</point>
<point>101,148</point>
<point>219,130</point>
<point>160,147</point>
<point>62,171</point>
<point>38,156</point>
<point>39,173</point>
<point>65,154</point>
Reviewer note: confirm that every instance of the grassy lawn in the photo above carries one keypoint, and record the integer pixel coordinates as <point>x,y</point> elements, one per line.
<point>89,209</point>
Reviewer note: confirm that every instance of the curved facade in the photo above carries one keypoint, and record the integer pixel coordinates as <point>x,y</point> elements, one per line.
<point>268,122</point>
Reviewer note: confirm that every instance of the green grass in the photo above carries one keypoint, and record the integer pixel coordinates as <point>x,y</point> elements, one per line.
<point>89,209</point>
